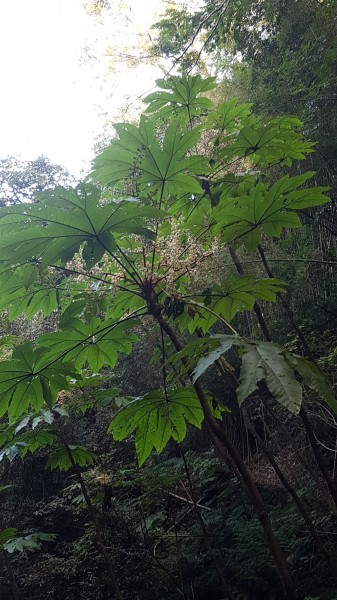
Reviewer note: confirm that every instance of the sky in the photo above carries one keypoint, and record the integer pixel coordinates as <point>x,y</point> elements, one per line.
<point>54,100</point>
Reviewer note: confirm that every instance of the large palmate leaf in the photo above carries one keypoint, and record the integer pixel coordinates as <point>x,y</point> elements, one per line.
<point>260,360</point>
<point>124,302</point>
<point>95,343</point>
<point>30,441</point>
<point>237,295</point>
<point>34,440</point>
<point>160,169</point>
<point>228,117</point>
<point>265,210</point>
<point>278,140</point>
<point>54,228</point>
<point>29,380</point>
<point>43,295</point>
<point>180,96</point>
<point>156,418</point>
<point>34,236</point>
<point>26,289</point>
<point>60,459</point>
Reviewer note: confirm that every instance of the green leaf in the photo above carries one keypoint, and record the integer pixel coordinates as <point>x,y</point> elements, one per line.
<point>263,210</point>
<point>23,423</point>
<point>59,458</point>
<point>28,381</point>
<point>160,170</point>
<point>187,359</point>
<point>92,253</point>
<point>268,142</point>
<point>267,360</point>
<point>54,229</point>
<point>3,488</point>
<point>223,343</point>
<point>85,304</point>
<point>95,343</point>
<point>251,373</point>
<point>260,360</point>
<point>180,96</point>
<point>34,440</point>
<point>6,535</point>
<point>228,116</point>
<point>238,295</point>
<point>44,295</point>
<point>156,419</point>
<point>30,542</point>
<point>313,378</point>
<point>12,451</point>
<point>124,302</point>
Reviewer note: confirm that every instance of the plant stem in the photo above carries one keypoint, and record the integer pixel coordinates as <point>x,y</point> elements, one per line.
<point>285,482</point>
<point>318,456</point>
<point>15,589</point>
<point>287,308</point>
<point>257,501</point>
<point>303,414</point>
<point>327,497</point>
<point>257,309</point>
<point>98,529</point>
<point>306,422</point>
<point>205,531</point>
